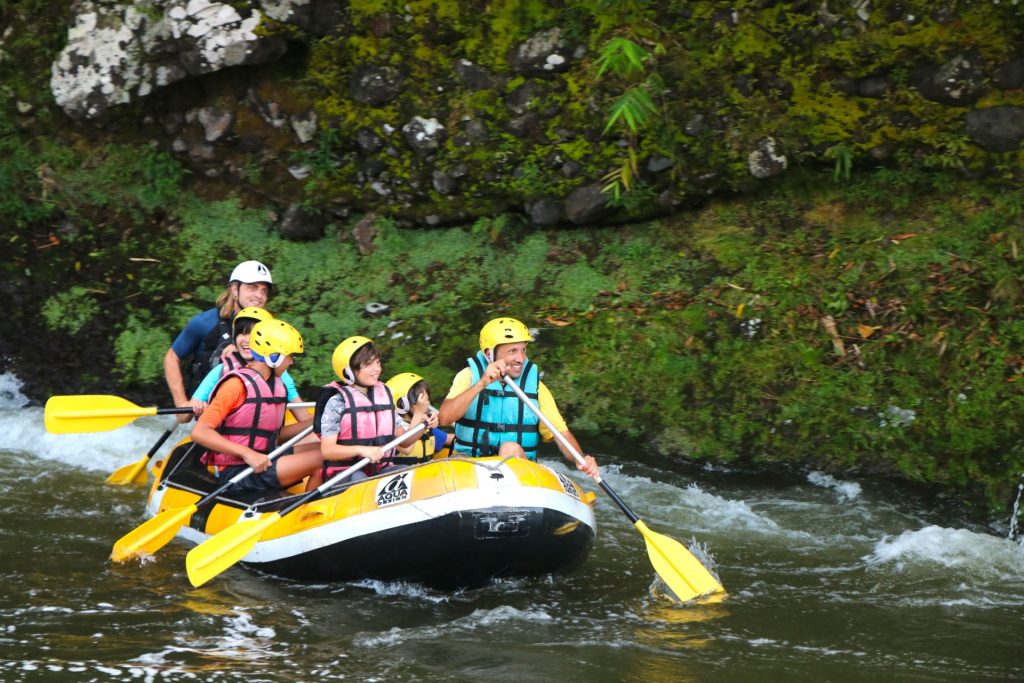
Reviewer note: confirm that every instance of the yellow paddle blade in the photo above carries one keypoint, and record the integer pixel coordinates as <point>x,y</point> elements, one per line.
<point>90,413</point>
<point>215,554</point>
<point>152,534</point>
<point>134,473</point>
<point>677,566</point>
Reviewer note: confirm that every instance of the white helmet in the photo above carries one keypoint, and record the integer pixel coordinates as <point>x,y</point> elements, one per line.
<point>250,272</point>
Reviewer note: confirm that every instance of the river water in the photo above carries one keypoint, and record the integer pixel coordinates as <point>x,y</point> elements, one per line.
<point>828,581</point>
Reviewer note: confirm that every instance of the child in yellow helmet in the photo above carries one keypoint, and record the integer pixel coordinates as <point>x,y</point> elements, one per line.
<point>355,414</point>
<point>412,399</point>
<point>245,416</point>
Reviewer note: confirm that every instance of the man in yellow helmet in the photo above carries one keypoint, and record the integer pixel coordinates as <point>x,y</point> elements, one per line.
<point>489,417</point>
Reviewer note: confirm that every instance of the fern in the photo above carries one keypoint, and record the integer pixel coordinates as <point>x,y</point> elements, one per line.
<point>634,108</point>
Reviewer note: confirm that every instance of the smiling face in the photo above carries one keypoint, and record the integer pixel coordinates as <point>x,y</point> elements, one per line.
<point>514,356</point>
<point>252,294</point>
<point>368,373</point>
<point>242,344</point>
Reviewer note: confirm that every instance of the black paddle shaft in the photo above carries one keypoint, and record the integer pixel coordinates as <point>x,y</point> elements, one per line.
<point>159,443</point>
<point>618,501</point>
<point>174,411</point>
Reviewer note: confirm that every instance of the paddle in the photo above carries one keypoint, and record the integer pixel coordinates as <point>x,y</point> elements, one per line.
<point>136,473</point>
<point>101,413</point>
<point>96,413</point>
<point>674,563</point>
<point>219,552</point>
<point>155,533</point>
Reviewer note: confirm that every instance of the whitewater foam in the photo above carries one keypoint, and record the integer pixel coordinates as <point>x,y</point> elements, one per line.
<point>953,549</point>
<point>847,490</point>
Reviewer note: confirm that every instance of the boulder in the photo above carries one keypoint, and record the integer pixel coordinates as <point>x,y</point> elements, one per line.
<point>301,224</point>
<point>375,85</point>
<point>586,204</point>
<point>997,129</point>
<point>542,54</point>
<point>765,161</point>
<point>423,135</point>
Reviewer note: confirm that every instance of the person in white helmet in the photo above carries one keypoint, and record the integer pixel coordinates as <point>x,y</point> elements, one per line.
<point>202,341</point>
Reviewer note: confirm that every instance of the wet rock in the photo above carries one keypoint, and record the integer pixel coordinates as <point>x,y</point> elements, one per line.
<point>542,54</point>
<point>375,85</point>
<point>301,224</point>
<point>997,129</point>
<point>545,212</point>
<point>374,308</point>
<point>316,16</point>
<point>571,169</point>
<point>423,135</point>
<point>658,163</point>
<point>766,161</point>
<point>477,131</point>
<point>696,125</point>
<point>874,87</point>
<point>1010,75</point>
<point>116,52</point>
<point>586,204</point>
<point>216,122</point>
<point>473,77</point>
<point>444,183</point>
<point>525,126</point>
<point>958,82</point>
<point>304,125</point>
<point>368,141</point>
<point>268,110</point>
<point>524,98</point>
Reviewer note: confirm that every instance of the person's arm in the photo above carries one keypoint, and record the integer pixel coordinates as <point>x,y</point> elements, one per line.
<point>183,346</point>
<point>330,426</point>
<point>462,392</point>
<point>201,396</point>
<point>427,417</point>
<point>300,414</point>
<point>550,410</point>
<point>288,431</point>
<point>175,382</point>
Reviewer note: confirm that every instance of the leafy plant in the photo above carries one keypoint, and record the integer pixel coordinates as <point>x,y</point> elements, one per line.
<point>71,310</point>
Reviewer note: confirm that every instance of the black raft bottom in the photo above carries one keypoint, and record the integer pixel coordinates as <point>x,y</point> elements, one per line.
<point>460,550</point>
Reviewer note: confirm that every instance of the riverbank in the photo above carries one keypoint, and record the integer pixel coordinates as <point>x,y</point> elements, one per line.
<point>869,326</point>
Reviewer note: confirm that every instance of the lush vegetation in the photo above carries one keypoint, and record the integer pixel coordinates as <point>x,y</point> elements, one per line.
<point>869,326</point>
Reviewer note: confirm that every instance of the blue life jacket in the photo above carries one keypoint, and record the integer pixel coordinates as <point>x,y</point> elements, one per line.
<point>496,414</point>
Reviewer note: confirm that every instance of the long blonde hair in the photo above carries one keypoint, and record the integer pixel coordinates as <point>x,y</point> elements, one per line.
<point>226,302</point>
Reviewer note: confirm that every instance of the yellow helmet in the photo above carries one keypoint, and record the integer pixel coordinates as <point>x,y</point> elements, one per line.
<point>503,331</point>
<point>400,385</point>
<point>251,313</point>
<point>342,357</point>
<point>272,340</point>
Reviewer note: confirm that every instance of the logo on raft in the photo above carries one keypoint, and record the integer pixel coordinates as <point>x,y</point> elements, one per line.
<point>394,490</point>
<point>569,487</point>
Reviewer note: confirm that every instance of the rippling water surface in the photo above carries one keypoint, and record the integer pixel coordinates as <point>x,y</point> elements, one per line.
<point>828,581</point>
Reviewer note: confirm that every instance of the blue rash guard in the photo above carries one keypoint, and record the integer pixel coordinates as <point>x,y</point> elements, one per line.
<point>205,388</point>
<point>198,328</point>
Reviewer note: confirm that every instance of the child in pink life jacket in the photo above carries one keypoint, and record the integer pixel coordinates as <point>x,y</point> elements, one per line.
<point>355,414</point>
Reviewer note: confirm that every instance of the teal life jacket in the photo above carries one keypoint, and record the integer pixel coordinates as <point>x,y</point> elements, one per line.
<point>496,414</point>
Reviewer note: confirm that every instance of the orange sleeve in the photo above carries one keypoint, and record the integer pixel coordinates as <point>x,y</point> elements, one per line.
<point>228,398</point>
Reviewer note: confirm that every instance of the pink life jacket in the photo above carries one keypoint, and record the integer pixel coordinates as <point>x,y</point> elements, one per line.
<point>231,361</point>
<point>257,421</point>
<point>367,420</point>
